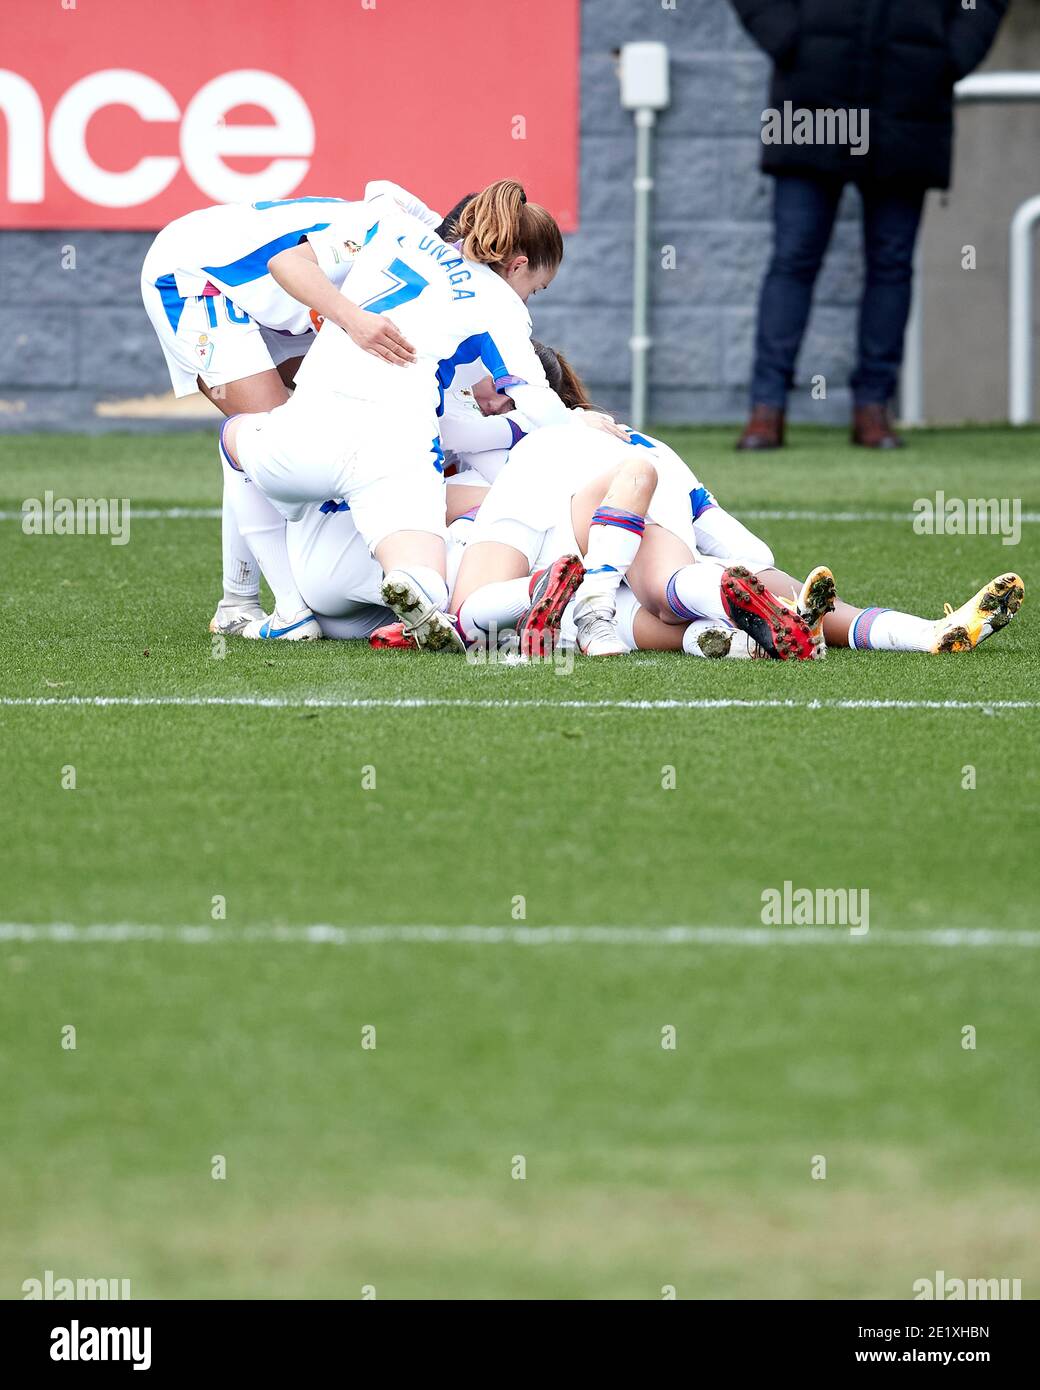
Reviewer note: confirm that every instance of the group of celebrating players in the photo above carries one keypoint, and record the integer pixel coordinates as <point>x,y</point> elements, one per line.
<point>420,473</point>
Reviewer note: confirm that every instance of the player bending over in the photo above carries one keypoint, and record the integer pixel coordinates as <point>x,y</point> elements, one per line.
<point>235,294</point>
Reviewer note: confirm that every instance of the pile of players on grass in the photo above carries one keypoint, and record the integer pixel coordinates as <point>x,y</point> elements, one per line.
<point>421,474</point>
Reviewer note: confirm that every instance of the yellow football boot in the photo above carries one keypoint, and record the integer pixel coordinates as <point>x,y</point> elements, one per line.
<point>992,608</point>
<point>814,602</point>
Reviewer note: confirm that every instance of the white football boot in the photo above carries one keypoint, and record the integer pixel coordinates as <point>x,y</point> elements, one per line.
<point>432,630</point>
<point>717,642</point>
<point>596,626</point>
<point>231,617</point>
<point>301,627</point>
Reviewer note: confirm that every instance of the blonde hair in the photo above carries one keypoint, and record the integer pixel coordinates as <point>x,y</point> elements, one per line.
<point>500,224</point>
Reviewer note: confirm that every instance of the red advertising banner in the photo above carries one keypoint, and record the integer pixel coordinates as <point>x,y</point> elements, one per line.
<point>128,113</point>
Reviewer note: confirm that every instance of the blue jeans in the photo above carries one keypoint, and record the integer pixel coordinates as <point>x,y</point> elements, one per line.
<point>804,209</point>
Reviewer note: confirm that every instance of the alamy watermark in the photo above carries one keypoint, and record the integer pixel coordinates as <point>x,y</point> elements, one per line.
<point>817,907</point>
<point>945,1289</point>
<point>79,1342</point>
<point>971,516</point>
<point>77,516</point>
<point>501,647</point>
<point>820,126</point>
<point>59,1288</point>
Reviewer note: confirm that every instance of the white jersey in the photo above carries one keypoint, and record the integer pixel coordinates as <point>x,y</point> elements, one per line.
<point>473,441</point>
<point>225,250</point>
<point>529,504</point>
<point>458,315</point>
<point>575,454</point>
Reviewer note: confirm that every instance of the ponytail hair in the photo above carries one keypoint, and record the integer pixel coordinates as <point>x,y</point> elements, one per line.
<point>562,377</point>
<point>500,223</point>
<point>449,228</point>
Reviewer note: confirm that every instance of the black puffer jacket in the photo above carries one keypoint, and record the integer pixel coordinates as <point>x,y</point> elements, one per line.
<point>898,59</point>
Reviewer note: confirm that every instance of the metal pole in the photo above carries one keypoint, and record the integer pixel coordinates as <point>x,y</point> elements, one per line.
<point>1020,312</point>
<point>998,86</point>
<point>980,87</point>
<point>911,381</point>
<point>643,184</point>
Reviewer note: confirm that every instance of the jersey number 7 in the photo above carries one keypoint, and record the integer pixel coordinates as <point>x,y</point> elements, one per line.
<point>408,284</point>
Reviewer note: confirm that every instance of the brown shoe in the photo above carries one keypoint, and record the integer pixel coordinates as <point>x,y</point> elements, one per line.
<point>765,429</point>
<point>872,428</point>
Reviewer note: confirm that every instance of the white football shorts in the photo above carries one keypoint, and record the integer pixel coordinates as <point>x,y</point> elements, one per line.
<point>387,468</point>
<point>207,337</point>
<point>529,508</point>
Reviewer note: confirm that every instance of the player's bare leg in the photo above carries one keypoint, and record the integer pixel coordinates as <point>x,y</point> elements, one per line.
<point>661,554</point>
<point>610,541</point>
<point>250,395</point>
<point>484,563</point>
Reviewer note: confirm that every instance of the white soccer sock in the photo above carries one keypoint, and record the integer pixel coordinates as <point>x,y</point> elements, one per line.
<point>241,571</point>
<point>695,591</point>
<point>262,528</point>
<point>433,585</point>
<point>614,537</point>
<point>740,646</point>
<point>499,606</point>
<point>885,630</point>
<point>625,613</point>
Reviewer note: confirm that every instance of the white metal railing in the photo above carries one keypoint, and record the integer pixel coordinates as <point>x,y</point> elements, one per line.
<point>986,87</point>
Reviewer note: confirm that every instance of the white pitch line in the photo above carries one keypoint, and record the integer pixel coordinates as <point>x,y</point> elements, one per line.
<point>326,935</point>
<point>769,514</point>
<point>149,514</point>
<point>750,514</point>
<point>434,702</point>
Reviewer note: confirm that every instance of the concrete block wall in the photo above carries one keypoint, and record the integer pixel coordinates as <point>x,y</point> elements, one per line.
<point>712,205</point>
<point>69,338</point>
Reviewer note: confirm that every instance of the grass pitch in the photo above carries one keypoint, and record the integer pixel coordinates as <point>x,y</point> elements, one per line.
<point>393,1167</point>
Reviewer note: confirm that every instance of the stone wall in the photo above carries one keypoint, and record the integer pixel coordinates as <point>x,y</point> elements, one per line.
<point>71,337</point>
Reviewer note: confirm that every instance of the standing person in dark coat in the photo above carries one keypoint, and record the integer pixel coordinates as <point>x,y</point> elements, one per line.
<point>862,92</point>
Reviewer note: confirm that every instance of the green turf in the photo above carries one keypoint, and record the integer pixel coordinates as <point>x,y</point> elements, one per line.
<point>645,1167</point>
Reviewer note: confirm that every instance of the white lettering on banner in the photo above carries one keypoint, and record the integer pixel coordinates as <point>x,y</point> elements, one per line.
<point>68,138</point>
<point>205,138</point>
<point>24,115</point>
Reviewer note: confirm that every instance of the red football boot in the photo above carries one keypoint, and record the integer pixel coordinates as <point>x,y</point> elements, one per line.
<point>777,629</point>
<point>551,591</point>
<point>392,635</point>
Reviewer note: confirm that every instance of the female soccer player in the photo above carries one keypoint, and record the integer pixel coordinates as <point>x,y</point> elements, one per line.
<point>364,433</point>
<point>218,284</point>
